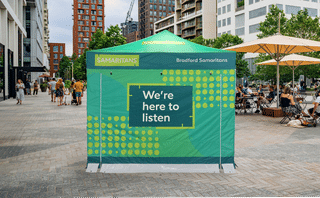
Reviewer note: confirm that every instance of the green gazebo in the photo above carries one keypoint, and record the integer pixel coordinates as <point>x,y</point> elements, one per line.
<point>161,104</point>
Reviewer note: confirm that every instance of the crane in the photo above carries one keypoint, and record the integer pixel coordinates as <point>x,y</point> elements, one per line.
<point>128,18</point>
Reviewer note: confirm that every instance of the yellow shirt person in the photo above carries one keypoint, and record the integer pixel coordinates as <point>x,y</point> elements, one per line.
<point>78,87</point>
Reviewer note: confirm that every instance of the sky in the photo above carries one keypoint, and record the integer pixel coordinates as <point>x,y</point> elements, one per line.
<point>60,18</point>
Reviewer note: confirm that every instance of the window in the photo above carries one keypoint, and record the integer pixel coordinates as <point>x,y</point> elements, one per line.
<point>81,11</point>
<point>164,8</point>
<point>164,1</point>
<point>250,2</point>
<point>93,6</point>
<point>55,61</point>
<point>155,13</point>
<point>151,1</point>
<point>254,28</point>
<point>93,17</point>
<point>151,19</point>
<point>151,13</point>
<point>55,56</point>
<point>173,2</point>
<point>80,34</point>
<point>100,23</point>
<point>151,6</point>
<point>85,6</point>
<point>280,6</point>
<point>169,8</point>
<point>229,8</point>
<point>85,28</point>
<point>219,34</point>
<point>93,12</point>
<point>79,16</point>
<point>99,18</point>
<point>79,39</point>
<point>87,1</point>
<point>81,45</point>
<point>257,1</point>
<point>155,19</point>
<point>80,22</point>
<point>292,9</point>
<point>85,17</point>
<point>316,1</point>
<point>79,51</point>
<point>80,1</point>
<point>224,22</point>
<point>155,7</point>
<point>312,12</point>
<point>61,48</point>
<point>219,11</point>
<point>219,23</point>
<point>100,1</point>
<point>229,21</point>
<point>99,7</point>
<point>100,12</point>
<point>79,5</point>
<point>87,33</point>
<point>55,67</point>
<point>258,12</point>
<point>93,29</point>
<point>160,14</point>
<point>172,8</point>
<point>223,9</point>
<point>169,2</point>
<point>151,25</point>
<point>87,11</point>
<point>160,7</point>
<point>229,32</point>
<point>240,31</point>
<point>61,56</point>
<point>55,48</point>
<point>79,28</point>
<point>93,23</point>
<point>239,20</point>
<point>164,14</point>
<point>93,1</point>
<point>87,22</point>
<point>160,1</point>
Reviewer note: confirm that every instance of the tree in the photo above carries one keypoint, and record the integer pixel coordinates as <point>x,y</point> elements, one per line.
<point>227,40</point>
<point>64,67</point>
<point>300,25</point>
<point>99,40</point>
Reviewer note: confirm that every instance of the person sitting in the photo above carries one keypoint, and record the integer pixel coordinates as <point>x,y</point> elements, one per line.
<point>260,91</point>
<point>250,92</point>
<point>294,108</point>
<point>265,100</point>
<point>315,111</point>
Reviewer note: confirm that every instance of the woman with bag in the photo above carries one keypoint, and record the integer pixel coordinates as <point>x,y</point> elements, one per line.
<point>59,91</point>
<point>20,91</point>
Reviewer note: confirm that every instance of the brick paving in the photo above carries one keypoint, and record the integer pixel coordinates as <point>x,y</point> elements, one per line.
<point>43,154</point>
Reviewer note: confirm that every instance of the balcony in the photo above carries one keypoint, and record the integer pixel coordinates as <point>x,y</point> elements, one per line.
<point>199,25</point>
<point>240,6</point>
<point>188,25</point>
<point>187,34</point>
<point>188,7</point>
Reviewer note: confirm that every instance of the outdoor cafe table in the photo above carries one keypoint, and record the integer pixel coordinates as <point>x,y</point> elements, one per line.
<point>252,102</point>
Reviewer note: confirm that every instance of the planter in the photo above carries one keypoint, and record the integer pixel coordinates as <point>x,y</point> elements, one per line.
<point>43,89</point>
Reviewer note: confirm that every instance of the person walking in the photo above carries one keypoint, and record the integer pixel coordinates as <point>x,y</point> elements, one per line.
<point>52,85</point>
<point>78,86</point>
<point>59,91</point>
<point>35,87</point>
<point>28,86</point>
<point>20,91</point>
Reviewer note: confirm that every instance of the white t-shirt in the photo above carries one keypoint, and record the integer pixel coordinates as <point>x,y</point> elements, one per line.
<point>318,101</point>
<point>53,85</point>
<point>249,91</point>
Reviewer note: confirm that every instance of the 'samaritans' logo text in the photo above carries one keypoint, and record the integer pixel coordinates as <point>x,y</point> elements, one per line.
<point>116,60</point>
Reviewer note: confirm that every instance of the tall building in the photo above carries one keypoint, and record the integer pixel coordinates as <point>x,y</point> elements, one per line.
<point>34,43</point>
<point>150,11</point>
<point>242,18</point>
<point>12,33</point>
<point>88,16</point>
<point>191,19</point>
<point>46,34</point>
<point>130,30</point>
<point>57,51</point>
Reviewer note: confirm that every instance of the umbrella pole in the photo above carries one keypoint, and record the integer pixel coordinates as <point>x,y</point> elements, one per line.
<point>278,83</point>
<point>293,81</point>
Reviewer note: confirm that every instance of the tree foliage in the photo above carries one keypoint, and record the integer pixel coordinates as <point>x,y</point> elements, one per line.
<point>227,40</point>
<point>99,40</point>
<point>65,67</point>
<point>300,25</point>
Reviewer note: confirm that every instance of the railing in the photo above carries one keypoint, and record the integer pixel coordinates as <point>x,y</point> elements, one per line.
<point>199,25</point>
<point>190,15</point>
<point>189,25</point>
<point>188,6</point>
<point>189,33</point>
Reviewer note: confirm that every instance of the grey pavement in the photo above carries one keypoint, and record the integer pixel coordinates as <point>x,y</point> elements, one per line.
<point>43,154</point>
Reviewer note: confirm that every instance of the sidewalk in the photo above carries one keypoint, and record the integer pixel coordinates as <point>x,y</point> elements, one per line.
<point>43,154</point>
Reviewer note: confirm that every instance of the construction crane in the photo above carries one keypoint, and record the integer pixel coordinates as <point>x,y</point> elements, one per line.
<point>128,19</point>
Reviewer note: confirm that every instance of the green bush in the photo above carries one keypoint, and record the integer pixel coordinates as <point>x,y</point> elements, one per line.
<point>67,84</point>
<point>240,4</point>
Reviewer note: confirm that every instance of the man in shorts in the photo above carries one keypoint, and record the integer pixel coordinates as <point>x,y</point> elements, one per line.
<point>78,87</point>
<point>52,86</point>
<point>315,111</point>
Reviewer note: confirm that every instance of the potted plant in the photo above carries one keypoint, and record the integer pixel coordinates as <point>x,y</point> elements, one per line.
<point>1,86</point>
<point>43,87</point>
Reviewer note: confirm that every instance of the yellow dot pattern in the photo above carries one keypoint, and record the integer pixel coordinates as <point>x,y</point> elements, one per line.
<point>206,87</point>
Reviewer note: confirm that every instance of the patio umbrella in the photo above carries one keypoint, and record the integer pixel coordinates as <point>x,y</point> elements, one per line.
<point>44,76</point>
<point>293,61</point>
<point>277,46</point>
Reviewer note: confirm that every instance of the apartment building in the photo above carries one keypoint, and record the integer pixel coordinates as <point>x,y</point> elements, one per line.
<point>88,16</point>
<point>150,11</point>
<point>34,43</point>
<point>12,33</point>
<point>242,18</point>
<point>192,18</point>
<point>46,32</point>
<point>57,52</point>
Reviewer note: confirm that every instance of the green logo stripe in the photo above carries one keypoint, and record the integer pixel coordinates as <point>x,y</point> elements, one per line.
<point>116,60</point>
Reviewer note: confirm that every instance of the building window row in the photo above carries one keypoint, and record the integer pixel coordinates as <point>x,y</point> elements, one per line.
<point>251,1</point>
<point>170,2</point>
<point>224,9</point>
<point>224,22</point>
<point>258,12</point>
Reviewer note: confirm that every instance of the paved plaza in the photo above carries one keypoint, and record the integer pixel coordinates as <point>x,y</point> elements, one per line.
<point>43,154</point>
